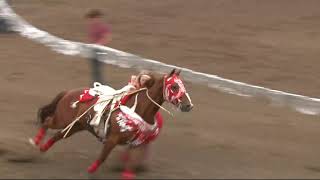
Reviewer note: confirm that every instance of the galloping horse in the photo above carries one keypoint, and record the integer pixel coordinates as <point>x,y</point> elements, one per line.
<point>123,127</point>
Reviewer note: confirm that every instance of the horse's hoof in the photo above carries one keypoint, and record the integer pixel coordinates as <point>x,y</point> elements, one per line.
<point>91,170</point>
<point>43,149</point>
<point>31,141</point>
<point>128,175</point>
<point>93,167</point>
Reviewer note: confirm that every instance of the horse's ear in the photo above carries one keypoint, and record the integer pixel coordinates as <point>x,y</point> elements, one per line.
<point>172,72</point>
<point>149,83</point>
<point>144,78</point>
<point>178,72</point>
<point>146,81</point>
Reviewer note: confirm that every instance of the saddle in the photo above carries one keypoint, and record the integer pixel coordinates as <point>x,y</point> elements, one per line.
<point>106,100</point>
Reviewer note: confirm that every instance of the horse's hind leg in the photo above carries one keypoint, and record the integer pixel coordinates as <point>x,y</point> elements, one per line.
<point>59,135</point>
<point>39,136</point>
<point>41,132</point>
<point>46,118</point>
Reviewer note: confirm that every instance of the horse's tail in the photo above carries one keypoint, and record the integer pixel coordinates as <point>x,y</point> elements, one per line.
<point>49,109</point>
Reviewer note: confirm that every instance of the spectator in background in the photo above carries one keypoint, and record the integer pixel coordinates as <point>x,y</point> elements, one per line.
<point>99,33</point>
<point>5,26</point>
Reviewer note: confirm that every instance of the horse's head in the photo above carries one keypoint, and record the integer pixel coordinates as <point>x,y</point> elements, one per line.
<point>173,89</point>
<point>175,92</point>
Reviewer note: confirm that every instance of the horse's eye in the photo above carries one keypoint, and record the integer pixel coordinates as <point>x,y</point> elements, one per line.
<point>175,88</point>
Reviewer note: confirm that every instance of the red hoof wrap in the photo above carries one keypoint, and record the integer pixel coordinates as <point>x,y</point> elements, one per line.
<point>39,136</point>
<point>128,175</point>
<point>46,146</point>
<point>94,166</point>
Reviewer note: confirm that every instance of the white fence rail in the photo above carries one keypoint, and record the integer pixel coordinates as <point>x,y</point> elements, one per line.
<point>300,103</point>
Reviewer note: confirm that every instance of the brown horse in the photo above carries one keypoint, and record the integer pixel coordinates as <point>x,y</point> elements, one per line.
<point>59,114</point>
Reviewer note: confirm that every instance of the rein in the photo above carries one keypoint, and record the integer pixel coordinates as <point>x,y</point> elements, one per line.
<point>157,103</point>
<point>147,92</point>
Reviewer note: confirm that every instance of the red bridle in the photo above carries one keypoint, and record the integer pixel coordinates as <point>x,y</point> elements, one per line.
<point>170,95</point>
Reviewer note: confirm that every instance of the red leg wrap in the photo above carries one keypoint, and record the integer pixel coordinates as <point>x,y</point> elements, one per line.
<point>94,166</point>
<point>128,175</point>
<point>41,133</point>
<point>46,146</point>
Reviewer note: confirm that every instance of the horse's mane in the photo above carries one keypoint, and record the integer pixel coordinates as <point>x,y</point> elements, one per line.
<point>154,77</point>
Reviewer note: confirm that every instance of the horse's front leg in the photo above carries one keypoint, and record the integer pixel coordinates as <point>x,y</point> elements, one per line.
<point>109,144</point>
<point>133,159</point>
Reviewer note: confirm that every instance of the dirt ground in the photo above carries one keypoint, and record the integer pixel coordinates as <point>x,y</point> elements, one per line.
<point>267,43</point>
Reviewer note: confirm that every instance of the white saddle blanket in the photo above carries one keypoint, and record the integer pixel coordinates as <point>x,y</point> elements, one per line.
<point>106,95</point>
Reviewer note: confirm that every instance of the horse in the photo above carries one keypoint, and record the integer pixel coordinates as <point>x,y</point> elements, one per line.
<point>59,114</point>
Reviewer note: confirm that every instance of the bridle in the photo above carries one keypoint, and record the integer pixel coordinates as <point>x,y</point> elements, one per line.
<point>168,94</point>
